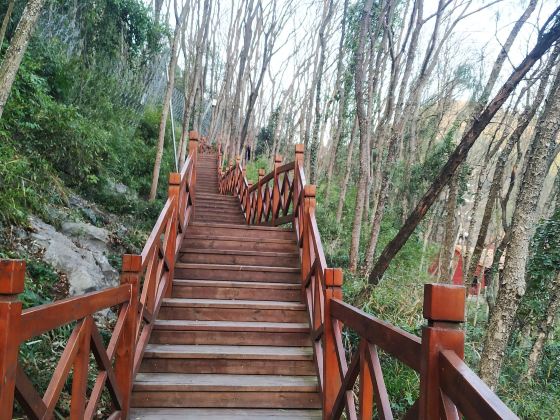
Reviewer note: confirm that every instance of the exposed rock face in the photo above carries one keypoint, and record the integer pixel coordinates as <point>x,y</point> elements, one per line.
<point>80,252</point>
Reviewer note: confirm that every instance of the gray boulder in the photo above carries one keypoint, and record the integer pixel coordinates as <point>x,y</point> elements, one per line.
<point>79,252</point>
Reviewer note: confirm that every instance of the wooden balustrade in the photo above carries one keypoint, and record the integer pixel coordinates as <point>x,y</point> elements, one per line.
<point>448,388</point>
<point>146,278</point>
<point>270,200</point>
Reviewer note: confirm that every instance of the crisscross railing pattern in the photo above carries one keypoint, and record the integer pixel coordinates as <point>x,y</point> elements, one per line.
<point>145,280</point>
<point>84,340</point>
<point>448,388</point>
<point>269,201</point>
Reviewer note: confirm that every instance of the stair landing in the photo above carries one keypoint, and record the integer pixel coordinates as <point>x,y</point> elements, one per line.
<point>233,340</point>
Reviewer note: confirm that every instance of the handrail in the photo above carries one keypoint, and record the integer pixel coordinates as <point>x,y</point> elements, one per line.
<point>17,326</point>
<point>270,200</point>
<point>146,279</point>
<point>447,385</point>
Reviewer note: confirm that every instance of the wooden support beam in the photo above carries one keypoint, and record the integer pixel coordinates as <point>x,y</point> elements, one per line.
<point>444,309</point>
<point>12,274</point>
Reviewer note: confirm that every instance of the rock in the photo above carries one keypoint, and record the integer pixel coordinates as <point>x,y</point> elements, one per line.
<point>84,262</point>
<point>121,188</point>
<point>89,214</point>
<point>88,236</point>
<point>89,210</point>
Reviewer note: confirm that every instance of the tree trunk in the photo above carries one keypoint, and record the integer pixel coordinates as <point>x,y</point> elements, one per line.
<point>18,45</point>
<point>513,285</point>
<point>327,13</point>
<point>167,97</point>
<point>461,151</point>
<point>344,186</point>
<point>6,21</point>
<point>449,240</point>
<point>364,141</point>
<point>341,88</point>
<point>497,180</point>
<point>545,328</point>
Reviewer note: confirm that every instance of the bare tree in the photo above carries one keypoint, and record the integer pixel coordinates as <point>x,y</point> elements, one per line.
<point>18,45</point>
<point>513,284</point>
<point>174,56</point>
<point>544,42</point>
<point>6,20</point>
<point>363,129</point>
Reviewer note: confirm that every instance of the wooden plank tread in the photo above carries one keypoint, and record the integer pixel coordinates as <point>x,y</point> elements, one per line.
<point>218,382</point>
<point>236,284</point>
<point>200,351</point>
<point>240,252</point>
<point>233,267</point>
<point>242,326</point>
<point>222,414</point>
<point>221,303</point>
<point>188,238</point>
<point>248,227</point>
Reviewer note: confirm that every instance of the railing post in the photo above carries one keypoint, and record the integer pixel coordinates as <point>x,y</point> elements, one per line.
<point>276,190</point>
<point>12,275</point>
<point>237,178</point>
<point>242,183</point>
<point>174,193</point>
<point>444,309</point>
<point>308,203</point>
<point>331,377</point>
<point>248,207</point>
<point>193,151</point>
<point>126,348</point>
<point>259,197</point>
<point>298,161</point>
<point>230,176</point>
<point>220,168</point>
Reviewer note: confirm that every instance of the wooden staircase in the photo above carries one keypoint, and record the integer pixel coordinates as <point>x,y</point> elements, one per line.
<point>232,341</point>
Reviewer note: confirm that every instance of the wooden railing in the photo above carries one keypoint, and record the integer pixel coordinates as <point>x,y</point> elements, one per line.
<point>270,200</point>
<point>448,387</point>
<point>146,278</point>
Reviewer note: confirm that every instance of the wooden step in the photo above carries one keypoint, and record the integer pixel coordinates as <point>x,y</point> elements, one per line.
<point>237,273</point>
<point>231,333</point>
<point>249,244</point>
<point>208,289</point>
<point>218,229</point>
<point>223,414</point>
<point>218,218</point>
<point>229,222</point>
<point>226,391</point>
<point>239,257</point>
<point>217,196</point>
<point>211,203</point>
<point>232,310</point>
<point>218,205</point>
<point>218,212</point>
<point>228,359</point>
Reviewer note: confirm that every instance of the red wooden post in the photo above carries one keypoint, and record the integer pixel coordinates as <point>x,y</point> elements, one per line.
<point>259,197</point>
<point>80,374</point>
<point>331,375</point>
<point>126,348</point>
<point>220,167</point>
<point>237,176</point>
<point>308,204</point>
<point>242,184</point>
<point>193,151</point>
<point>298,162</point>
<point>12,275</point>
<point>173,193</point>
<point>276,190</point>
<point>229,175</point>
<point>248,206</point>
<point>366,384</point>
<point>444,309</point>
